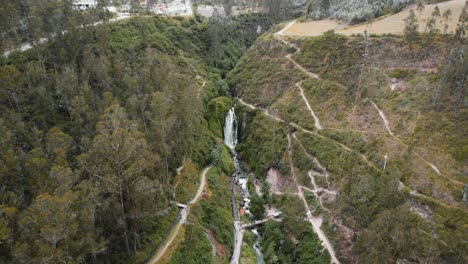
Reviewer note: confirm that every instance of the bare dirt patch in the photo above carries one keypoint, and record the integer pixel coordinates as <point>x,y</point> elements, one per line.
<point>392,24</point>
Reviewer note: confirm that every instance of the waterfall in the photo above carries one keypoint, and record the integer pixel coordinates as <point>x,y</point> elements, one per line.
<point>230,130</point>
<point>241,179</point>
<point>257,247</point>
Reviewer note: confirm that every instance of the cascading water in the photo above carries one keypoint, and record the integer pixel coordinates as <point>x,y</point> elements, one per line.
<point>230,139</point>
<point>230,130</point>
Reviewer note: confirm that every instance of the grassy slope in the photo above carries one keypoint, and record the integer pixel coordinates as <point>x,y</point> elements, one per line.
<point>391,24</point>
<point>341,101</point>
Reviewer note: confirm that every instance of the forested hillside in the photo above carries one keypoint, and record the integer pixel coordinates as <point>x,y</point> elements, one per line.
<point>30,20</point>
<point>94,124</point>
<point>194,140</point>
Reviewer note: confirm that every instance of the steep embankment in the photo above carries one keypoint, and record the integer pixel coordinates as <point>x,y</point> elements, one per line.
<point>369,142</point>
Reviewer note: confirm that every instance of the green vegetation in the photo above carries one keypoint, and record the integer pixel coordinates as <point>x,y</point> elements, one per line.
<point>95,123</point>
<point>216,213</point>
<point>28,21</point>
<point>261,77</point>
<point>263,144</point>
<point>398,233</point>
<point>186,182</point>
<point>247,253</point>
<point>373,172</point>
<point>196,247</point>
<point>305,247</point>
<point>212,214</point>
<point>340,63</point>
<point>216,113</point>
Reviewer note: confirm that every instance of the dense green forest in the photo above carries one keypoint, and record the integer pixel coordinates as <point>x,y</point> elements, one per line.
<point>105,128</point>
<point>30,20</point>
<point>95,123</point>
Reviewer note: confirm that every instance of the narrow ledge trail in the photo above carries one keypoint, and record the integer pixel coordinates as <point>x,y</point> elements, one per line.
<point>183,218</point>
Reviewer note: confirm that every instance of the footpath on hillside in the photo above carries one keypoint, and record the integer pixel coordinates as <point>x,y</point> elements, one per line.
<point>183,219</point>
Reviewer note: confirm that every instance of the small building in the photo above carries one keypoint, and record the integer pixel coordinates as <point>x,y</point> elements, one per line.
<point>84,4</point>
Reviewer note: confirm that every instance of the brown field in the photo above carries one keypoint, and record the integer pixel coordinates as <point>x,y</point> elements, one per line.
<point>393,24</point>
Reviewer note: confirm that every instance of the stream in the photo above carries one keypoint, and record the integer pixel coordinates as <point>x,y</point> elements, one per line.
<point>241,178</point>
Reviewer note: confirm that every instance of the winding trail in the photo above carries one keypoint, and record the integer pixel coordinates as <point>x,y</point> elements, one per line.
<point>317,124</point>
<point>302,69</point>
<point>316,222</point>
<point>201,187</point>
<point>183,218</point>
<point>307,131</point>
<point>315,160</point>
<point>430,164</point>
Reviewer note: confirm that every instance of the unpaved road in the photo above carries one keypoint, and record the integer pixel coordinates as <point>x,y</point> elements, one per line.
<point>28,46</point>
<point>238,237</point>
<point>202,186</point>
<point>183,219</point>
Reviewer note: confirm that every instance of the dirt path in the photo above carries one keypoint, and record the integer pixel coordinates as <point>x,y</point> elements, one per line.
<point>385,120</point>
<point>317,124</point>
<point>174,234</point>
<point>202,186</point>
<point>302,69</point>
<point>316,222</point>
<point>183,219</point>
<point>212,242</point>
<point>28,46</point>
<point>387,127</point>
<point>300,128</point>
<point>281,32</point>
<point>316,119</point>
<point>201,89</point>
<point>317,191</point>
